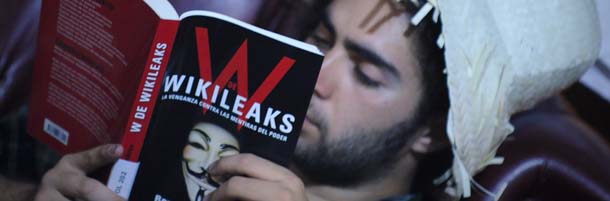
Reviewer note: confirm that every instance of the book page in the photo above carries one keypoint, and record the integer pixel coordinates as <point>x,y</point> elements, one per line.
<point>278,37</point>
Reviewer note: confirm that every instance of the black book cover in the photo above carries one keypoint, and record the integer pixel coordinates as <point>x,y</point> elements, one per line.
<point>227,90</point>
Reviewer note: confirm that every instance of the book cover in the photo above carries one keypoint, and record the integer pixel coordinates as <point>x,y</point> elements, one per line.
<point>88,56</point>
<point>192,89</point>
<point>227,90</point>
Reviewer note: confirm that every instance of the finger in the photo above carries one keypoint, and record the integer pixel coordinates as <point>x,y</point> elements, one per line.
<point>248,189</point>
<point>250,165</point>
<point>94,158</point>
<point>84,188</point>
<point>45,194</point>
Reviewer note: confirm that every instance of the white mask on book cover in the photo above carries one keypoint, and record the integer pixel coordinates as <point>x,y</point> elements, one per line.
<point>206,144</point>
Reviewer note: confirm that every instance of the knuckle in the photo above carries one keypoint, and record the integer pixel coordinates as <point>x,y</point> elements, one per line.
<point>69,157</point>
<point>49,177</point>
<point>247,158</point>
<point>66,163</point>
<point>285,194</point>
<point>296,183</point>
<point>65,160</point>
<point>86,187</point>
<point>232,185</point>
<point>233,182</point>
<point>292,188</point>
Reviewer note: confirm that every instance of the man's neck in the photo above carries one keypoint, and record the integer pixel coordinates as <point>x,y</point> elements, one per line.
<point>395,182</point>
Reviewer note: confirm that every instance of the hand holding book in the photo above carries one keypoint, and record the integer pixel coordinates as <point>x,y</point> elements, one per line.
<point>68,179</point>
<point>250,173</point>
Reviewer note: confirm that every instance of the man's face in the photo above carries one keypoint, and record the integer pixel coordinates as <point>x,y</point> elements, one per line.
<point>206,143</point>
<point>368,89</point>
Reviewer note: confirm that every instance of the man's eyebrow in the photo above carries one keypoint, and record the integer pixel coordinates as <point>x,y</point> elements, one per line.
<point>225,146</point>
<point>371,56</point>
<point>205,135</point>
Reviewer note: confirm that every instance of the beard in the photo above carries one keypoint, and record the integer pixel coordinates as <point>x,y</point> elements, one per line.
<point>361,156</point>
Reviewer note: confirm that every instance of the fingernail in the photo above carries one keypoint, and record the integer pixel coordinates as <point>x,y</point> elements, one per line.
<point>118,150</point>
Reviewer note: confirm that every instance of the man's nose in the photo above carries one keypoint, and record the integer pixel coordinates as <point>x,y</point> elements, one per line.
<point>329,76</point>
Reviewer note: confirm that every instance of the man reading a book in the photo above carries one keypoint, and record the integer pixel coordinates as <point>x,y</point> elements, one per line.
<point>377,110</point>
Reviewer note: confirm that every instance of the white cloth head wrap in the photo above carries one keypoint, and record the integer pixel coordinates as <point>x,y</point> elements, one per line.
<point>502,57</point>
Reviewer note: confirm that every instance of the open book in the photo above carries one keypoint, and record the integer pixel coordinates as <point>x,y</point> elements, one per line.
<point>179,92</point>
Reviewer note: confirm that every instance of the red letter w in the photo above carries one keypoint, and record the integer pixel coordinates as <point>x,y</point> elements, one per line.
<point>238,65</point>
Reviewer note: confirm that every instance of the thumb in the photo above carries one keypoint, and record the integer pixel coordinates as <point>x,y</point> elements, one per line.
<point>94,158</point>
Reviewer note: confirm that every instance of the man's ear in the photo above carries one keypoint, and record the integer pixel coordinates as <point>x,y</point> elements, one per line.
<point>422,142</point>
<point>431,139</point>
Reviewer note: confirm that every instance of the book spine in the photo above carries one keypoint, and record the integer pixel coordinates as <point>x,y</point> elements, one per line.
<point>125,169</point>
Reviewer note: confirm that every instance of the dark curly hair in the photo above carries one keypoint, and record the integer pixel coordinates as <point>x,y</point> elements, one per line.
<point>435,103</point>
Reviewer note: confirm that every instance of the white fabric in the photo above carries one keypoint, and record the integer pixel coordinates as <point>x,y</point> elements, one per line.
<point>503,56</point>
